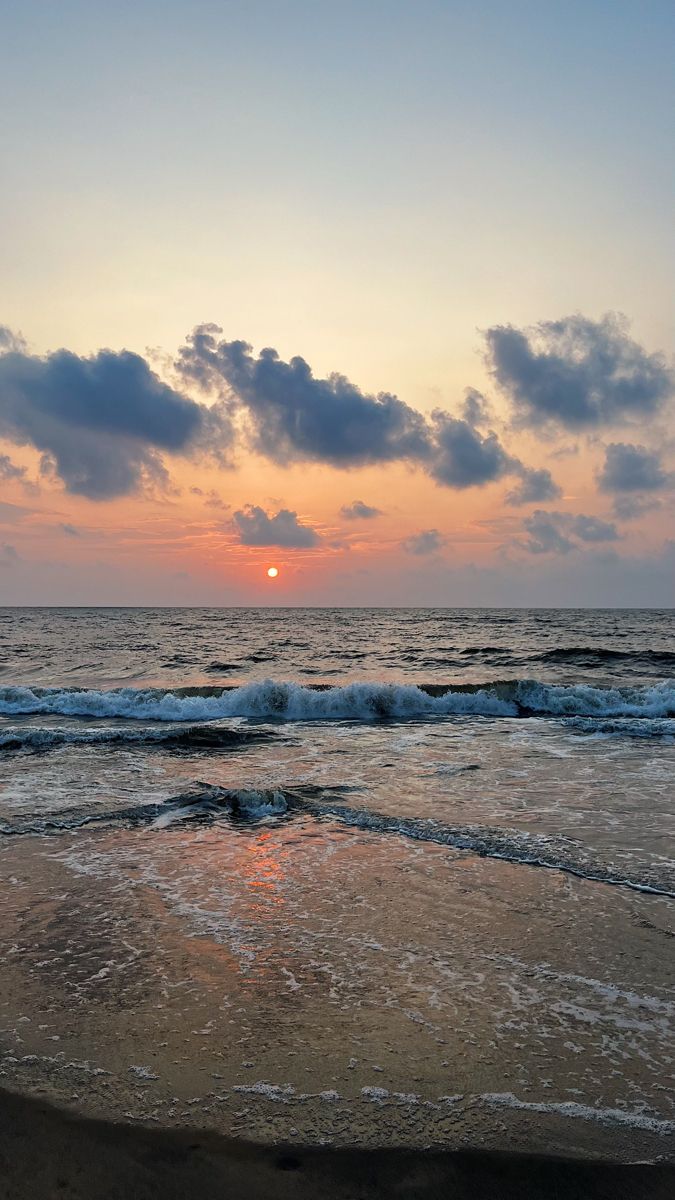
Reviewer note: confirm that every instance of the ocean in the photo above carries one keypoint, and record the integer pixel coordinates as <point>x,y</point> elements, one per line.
<point>349,876</point>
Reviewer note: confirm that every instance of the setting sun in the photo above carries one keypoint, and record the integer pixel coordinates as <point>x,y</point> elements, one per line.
<point>272,572</point>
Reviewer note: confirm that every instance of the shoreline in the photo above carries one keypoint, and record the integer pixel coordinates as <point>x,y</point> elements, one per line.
<point>48,1151</point>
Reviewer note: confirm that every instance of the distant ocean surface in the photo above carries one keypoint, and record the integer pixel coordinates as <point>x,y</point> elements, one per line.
<point>362,876</point>
<point>532,735</point>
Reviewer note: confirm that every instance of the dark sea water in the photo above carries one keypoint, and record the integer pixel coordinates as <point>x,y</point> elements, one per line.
<point>462,819</point>
<point>542,733</point>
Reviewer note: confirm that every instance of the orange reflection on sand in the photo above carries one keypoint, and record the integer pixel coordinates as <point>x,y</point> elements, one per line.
<point>262,868</point>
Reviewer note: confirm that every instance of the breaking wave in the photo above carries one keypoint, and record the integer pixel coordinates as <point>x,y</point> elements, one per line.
<point>208,803</point>
<point>355,702</point>
<point>193,737</point>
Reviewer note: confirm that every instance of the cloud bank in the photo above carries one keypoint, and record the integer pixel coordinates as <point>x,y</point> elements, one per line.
<point>292,416</point>
<point>103,424</point>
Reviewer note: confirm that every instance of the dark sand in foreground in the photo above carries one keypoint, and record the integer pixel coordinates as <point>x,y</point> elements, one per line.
<point>47,1153</point>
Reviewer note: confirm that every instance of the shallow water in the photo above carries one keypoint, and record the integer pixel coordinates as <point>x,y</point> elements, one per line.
<point>464,840</point>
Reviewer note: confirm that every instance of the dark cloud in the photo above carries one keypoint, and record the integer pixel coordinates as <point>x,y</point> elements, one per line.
<point>630,468</point>
<point>215,435</point>
<point>535,487</point>
<point>476,408</point>
<point>100,422</point>
<point>428,541</point>
<point>629,507</point>
<point>295,416</point>
<point>256,528</point>
<point>358,510</point>
<point>545,536</point>
<point>70,530</point>
<point>559,533</point>
<point>593,529</point>
<point>578,373</point>
<point>463,457</point>
<point>9,470</point>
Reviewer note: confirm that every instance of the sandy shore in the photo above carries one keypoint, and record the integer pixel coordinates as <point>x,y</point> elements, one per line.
<point>188,1015</point>
<point>46,1153</point>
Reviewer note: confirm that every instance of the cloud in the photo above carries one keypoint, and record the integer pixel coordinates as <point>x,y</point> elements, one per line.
<point>256,528</point>
<point>212,499</point>
<point>578,373</point>
<point>545,534</point>
<point>100,422</point>
<point>104,423</point>
<point>593,529</point>
<point>476,408</point>
<point>571,451</point>
<point>70,530</point>
<point>292,416</point>
<point>296,417</point>
<point>463,457</point>
<point>630,507</point>
<point>9,470</point>
<point>428,541</point>
<point>10,340</point>
<point>629,468</point>
<point>535,487</point>
<point>358,510</point>
<point>559,533</point>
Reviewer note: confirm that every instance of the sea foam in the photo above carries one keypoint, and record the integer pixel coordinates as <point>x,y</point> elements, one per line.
<point>355,702</point>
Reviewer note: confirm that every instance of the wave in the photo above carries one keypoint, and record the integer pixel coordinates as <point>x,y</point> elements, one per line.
<point>207,803</point>
<point>664,659</point>
<point>355,702</point>
<point>284,701</point>
<point>644,727</point>
<point>194,737</point>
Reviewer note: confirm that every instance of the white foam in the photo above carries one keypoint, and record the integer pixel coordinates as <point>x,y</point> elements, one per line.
<point>356,701</point>
<point>271,1091</point>
<point>583,700</point>
<point>376,1095</point>
<point>570,1108</point>
<point>288,701</point>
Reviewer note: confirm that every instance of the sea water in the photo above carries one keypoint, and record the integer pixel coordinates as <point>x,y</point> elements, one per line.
<point>440,838</point>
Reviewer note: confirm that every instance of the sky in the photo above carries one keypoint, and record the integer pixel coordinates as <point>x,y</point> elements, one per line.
<point>380,294</point>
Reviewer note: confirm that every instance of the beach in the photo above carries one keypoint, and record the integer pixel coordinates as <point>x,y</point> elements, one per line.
<point>273,954</point>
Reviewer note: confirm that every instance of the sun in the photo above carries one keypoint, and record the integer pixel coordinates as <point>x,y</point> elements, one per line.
<point>272,572</point>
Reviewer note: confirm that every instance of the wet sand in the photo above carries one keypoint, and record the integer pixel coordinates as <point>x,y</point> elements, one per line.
<point>185,1013</point>
<point>47,1153</point>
